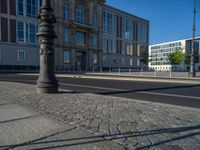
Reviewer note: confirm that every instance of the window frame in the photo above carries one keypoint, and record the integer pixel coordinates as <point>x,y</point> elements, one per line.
<point>66,61</point>
<point>18,53</point>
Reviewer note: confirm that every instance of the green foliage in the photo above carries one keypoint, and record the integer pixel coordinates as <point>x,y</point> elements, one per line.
<point>145,57</point>
<point>187,59</point>
<point>176,57</point>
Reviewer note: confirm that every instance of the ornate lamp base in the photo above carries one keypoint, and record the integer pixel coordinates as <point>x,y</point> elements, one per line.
<point>45,88</point>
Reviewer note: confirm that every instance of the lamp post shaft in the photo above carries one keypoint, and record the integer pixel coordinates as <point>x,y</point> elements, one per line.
<point>46,82</point>
<point>192,55</point>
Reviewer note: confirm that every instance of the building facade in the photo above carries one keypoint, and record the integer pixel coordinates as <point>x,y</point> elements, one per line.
<point>159,55</point>
<point>90,35</point>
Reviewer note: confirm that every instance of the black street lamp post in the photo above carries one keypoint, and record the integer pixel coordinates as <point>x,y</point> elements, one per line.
<point>47,82</point>
<point>192,72</point>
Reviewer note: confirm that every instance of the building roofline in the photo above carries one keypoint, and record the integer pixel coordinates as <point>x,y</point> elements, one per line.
<point>124,12</point>
<point>198,37</point>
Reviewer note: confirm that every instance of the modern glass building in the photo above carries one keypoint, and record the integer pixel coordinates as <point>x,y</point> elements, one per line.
<point>159,55</point>
<point>90,34</point>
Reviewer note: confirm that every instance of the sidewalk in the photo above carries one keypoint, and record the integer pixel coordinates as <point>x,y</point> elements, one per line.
<point>107,76</point>
<point>89,121</point>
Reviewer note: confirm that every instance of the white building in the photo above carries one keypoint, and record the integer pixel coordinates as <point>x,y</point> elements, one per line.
<point>159,54</point>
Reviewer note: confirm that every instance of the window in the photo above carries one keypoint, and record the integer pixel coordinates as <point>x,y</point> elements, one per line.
<point>128,29</point>
<point>114,60</point>
<point>110,23</point>
<point>104,59</point>
<point>21,55</point>
<point>26,32</point>
<point>66,57</point>
<point>95,60</point>
<point>80,15</point>
<point>32,33</point>
<point>95,19</point>
<point>105,50</point>
<point>20,32</point>
<point>28,7</point>
<point>94,41</point>
<point>123,61</point>
<point>20,7</point>
<point>31,8</point>
<point>66,12</point>
<point>142,37</point>
<point>131,62</point>
<point>66,35</point>
<point>80,38</point>
<point>0,55</point>
<point>114,47</point>
<point>104,22</point>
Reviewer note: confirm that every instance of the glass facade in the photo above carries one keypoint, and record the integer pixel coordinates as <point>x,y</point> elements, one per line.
<point>120,34</point>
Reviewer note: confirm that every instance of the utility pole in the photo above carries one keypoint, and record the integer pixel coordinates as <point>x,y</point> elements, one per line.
<point>47,82</point>
<point>192,72</point>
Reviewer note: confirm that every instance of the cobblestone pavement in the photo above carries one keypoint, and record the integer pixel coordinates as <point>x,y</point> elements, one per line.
<point>136,125</point>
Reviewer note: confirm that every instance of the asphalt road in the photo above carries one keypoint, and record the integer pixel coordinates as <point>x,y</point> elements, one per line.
<point>168,93</point>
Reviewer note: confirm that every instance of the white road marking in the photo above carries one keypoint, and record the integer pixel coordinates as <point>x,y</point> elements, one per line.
<point>93,87</point>
<point>170,95</point>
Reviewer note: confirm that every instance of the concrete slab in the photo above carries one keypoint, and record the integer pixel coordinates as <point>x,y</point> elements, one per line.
<point>75,139</point>
<point>13,112</point>
<point>26,130</point>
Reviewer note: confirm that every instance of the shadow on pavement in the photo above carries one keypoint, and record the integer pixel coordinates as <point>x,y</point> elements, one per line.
<point>109,137</point>
<point>148,89</point>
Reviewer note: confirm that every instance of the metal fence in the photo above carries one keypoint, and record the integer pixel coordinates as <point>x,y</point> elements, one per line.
<point>143,72</point>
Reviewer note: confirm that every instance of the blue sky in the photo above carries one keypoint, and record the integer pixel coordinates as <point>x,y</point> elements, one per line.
<point>169,19</point>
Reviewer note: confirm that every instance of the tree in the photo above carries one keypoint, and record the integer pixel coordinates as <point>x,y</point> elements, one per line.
<point>176,58</point>
<point>145,57</point>
<point>187,59</point>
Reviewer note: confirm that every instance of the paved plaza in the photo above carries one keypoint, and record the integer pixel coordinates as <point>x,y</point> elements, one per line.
<point>71,120</point>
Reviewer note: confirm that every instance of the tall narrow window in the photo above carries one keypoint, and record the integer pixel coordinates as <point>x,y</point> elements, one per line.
<point>0,54</point>
<point>80,15</point>
<point>80,38</point>
<point>66,12</point>
<point>66,35</point>
<point>21,55</point>
<point>105,50</point>
<point>104,21</point>
<point>66,57</point>
<point>32,33</point>
<point>95,59</point>
<point>31,8</point>
<point>20,32</point>
<point>20,7</point>
<point>94,40</point>
<point>95,19</point>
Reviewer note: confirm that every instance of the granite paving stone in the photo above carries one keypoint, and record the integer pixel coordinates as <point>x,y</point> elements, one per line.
<point>133,124</point>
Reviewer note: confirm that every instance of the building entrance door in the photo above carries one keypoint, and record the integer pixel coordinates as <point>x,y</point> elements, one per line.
<point>80,60</point>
